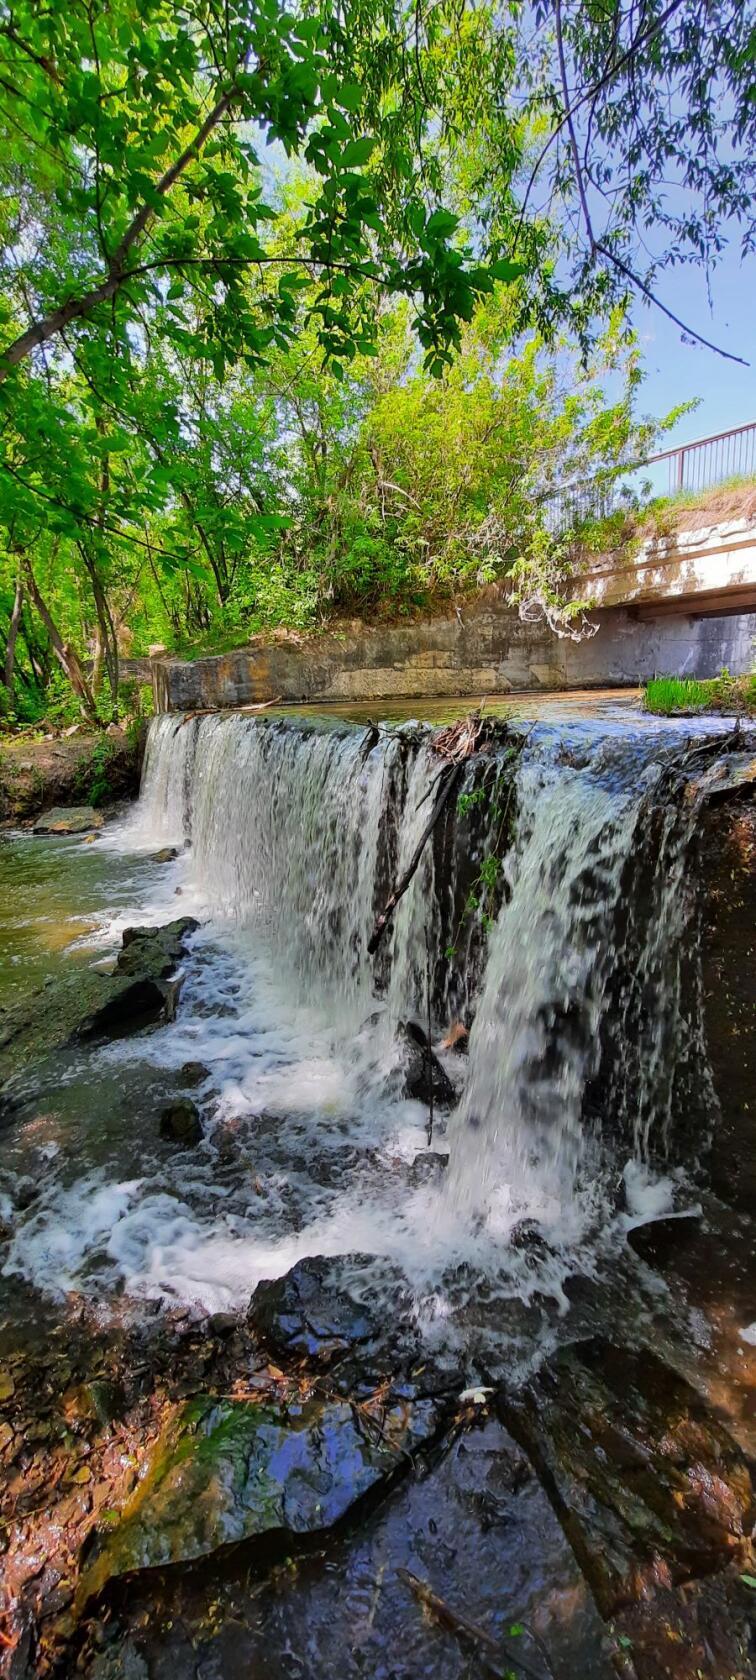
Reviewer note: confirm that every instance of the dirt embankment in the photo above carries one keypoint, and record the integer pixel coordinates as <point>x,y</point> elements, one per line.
<point>92,769</point>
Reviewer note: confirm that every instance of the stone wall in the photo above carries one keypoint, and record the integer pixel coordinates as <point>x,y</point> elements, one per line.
<point>475,651</point>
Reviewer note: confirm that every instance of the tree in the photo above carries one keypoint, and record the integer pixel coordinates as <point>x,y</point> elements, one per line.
<point>643,138</point>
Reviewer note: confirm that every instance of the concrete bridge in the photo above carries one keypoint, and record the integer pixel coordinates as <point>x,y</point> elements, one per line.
<point>682,606</point>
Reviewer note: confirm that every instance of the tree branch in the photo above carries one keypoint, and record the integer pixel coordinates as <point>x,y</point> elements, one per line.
<point>635,280</point>
<point>75,308</point>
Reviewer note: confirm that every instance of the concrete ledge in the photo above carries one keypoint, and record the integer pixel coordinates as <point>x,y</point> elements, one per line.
<point>681,607</point>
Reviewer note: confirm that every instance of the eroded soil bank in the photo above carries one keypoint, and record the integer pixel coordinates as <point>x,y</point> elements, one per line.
<point>79,769</point>
<point>310,1483</point>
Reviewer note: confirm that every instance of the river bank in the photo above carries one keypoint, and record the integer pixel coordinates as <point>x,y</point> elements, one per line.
<point>68,769</point>
<point>300,1389</point>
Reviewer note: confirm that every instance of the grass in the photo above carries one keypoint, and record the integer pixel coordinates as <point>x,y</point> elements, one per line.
<point>687,697</point>
<point>664,516</point>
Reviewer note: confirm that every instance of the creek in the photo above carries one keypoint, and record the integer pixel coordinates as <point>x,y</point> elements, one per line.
<point>581,1131</point>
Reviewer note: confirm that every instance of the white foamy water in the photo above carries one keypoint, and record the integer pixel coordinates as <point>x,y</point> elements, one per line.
<point>294,837</point>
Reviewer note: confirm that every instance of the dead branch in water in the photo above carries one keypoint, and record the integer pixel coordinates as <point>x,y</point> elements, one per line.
<point>430,1048</point>
<point>383,919</point>
<point>460,740</point>
<point>490,1653</point>
<point>455,744</point>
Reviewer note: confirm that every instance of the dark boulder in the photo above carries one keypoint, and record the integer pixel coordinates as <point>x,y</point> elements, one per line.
<point>143,988</point>
<point>312,1311</point>
<point>330,1309</point>
<point>428,1168</point>
<point>191,1074</point>
<point>423,1072</point>
<point>166,854</point>
<point>180,1121</point>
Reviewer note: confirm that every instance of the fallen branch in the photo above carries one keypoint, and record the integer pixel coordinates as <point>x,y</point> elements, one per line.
<point>382,920</point>
<point>260,705</point>
<point>490,1652</point>
<point>430,1050</point>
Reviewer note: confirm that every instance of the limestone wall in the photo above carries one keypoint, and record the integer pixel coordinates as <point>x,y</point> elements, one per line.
<point>478,652</point>
<point>683,605</point>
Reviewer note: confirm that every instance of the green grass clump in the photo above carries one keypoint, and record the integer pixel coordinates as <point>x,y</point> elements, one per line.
<point>677,694</point>
<point>686,696</point>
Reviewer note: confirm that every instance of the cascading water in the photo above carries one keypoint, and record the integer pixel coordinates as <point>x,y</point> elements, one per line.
<point>296,832</point>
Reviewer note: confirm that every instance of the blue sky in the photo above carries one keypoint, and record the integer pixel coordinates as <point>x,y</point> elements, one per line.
<point>676,371</point>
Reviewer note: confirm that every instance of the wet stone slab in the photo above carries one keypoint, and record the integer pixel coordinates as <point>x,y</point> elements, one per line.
<point>475,1529</point>
<point>650,1486</point>
<point>231,1471</point>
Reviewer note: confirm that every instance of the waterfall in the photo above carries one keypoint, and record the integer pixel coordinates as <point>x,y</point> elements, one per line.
<point>576,971</point>
<point>580,986</point>
<point>291,828</point>
<point>520,1141</point>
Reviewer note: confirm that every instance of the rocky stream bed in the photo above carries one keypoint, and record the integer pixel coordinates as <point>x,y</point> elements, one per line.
<point>328,1473</point>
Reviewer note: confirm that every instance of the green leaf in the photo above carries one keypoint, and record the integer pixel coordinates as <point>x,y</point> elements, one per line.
<point>357,152</point>
<point>441,224</point>
<point>349,96</point>
<point>750,1581</point>
<point>505,270</point>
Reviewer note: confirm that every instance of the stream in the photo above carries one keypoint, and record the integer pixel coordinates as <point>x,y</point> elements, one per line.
<point>554,1236</point>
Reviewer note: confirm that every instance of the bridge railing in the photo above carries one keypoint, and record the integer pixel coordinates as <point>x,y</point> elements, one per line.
<point>693,467</point>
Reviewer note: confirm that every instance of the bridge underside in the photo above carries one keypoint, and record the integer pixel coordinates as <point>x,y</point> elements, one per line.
<point>709,603</point>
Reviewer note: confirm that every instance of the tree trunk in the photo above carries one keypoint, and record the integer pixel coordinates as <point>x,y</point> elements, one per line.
<point>64,653</point>
<point>10,646</point>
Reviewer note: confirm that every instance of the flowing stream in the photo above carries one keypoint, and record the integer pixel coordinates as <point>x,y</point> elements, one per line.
<point>291,835</point>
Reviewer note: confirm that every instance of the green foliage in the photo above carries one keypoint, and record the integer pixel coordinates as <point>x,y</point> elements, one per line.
<point>92,780</point>
<point>281,335</point>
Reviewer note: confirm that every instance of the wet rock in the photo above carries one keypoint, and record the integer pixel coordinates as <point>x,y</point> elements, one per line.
<point>180,1121</point>
<point>71,819</point>
<point>311,1310</point>
<point>428,1168</point>
<point>144,987</point>
<point>227,1472</point>
<point>647,1482</point>
<point>222,1323</point>
<point>192,1074</point>
<point>355,1313</point>
<point>155,950</point>
<point>423,1072</point>
<point>98,1401</point>
<point>727,886</point>
<point>166,854</point>
<point>662,1239</point>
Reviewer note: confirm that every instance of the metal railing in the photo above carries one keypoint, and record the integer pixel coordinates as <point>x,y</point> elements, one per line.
<point>693,467</point>
<point>711,460</point>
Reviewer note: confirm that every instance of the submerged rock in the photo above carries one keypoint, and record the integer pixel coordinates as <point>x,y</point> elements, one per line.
<point>428,1168</point>
<point>231,1471</point>
<point>70,819</point>
<point>166,854</point>
<point>180,1121</point>
<point>192,1074</point>
<point>423,1071</point>
<point>86,1004</point>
